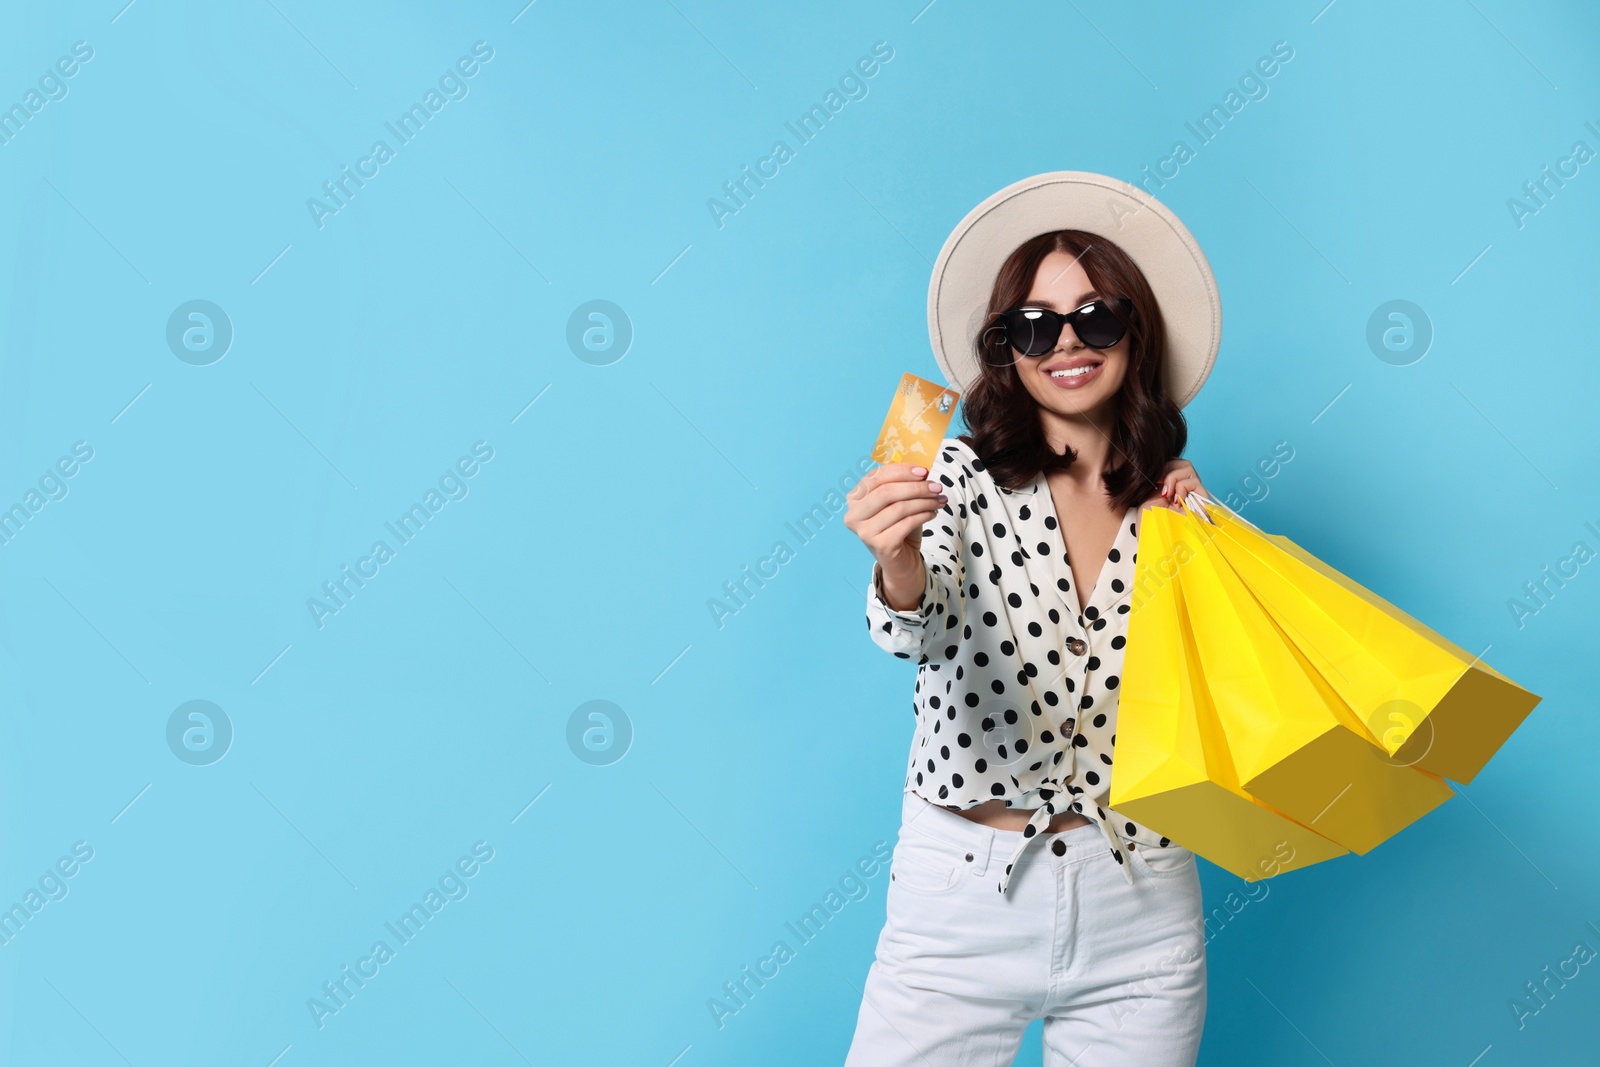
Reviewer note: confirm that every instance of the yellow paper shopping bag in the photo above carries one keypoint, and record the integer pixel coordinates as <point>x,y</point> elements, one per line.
<point>1295,743</point>
<point>1428,702</point>
<point>1172,772</point>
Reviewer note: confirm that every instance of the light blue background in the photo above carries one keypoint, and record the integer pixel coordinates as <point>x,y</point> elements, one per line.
<point>767,753</point>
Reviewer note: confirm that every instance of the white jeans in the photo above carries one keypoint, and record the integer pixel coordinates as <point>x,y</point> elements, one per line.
<point>1117,972</point>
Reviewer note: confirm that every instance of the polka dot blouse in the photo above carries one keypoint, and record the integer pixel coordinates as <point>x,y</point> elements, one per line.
<point>1016,693</point>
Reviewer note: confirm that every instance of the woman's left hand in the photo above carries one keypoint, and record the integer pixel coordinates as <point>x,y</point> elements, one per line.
<point>1177,479</point>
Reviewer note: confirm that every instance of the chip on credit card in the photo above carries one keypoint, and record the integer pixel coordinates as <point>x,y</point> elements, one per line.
<point>917,421</point>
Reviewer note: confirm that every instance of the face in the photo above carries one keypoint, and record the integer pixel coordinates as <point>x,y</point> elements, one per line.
<point>1094,375</point>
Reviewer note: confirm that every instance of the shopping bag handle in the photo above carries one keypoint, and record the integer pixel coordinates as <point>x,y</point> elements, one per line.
<point>1232,514</point>
<point>1196,503</point>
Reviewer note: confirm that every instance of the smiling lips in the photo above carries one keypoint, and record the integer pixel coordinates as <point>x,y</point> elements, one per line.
<point>1072,373</point>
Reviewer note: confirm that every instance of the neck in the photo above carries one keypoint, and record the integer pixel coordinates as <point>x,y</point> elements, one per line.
<point>1088,434</point>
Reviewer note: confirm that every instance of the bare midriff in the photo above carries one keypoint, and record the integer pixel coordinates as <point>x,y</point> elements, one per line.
<point>995,813</point>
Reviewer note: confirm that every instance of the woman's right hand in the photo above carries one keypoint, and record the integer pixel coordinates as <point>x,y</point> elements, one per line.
<point>887,510</point>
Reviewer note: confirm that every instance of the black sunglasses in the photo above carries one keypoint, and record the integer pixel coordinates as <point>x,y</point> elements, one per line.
<point>1033,331</point>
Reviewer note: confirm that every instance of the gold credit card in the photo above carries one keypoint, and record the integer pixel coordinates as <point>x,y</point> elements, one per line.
<point>917,421</point>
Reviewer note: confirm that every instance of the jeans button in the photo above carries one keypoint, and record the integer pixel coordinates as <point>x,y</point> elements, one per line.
<point>969,857</point>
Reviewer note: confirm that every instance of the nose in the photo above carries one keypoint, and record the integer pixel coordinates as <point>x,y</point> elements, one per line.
<point>1068,341</point>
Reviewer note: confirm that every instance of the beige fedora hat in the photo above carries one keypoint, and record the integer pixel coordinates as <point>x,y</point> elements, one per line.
<point>1142,226</point>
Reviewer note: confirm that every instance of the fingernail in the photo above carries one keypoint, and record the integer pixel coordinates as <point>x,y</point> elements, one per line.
<point>919,471</point>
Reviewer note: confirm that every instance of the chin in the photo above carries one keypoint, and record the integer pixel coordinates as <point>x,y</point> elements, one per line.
<point>1077,403</point>
<point>1084,406</point>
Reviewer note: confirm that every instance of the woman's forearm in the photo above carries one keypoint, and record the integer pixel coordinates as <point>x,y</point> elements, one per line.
<point>903,585</point>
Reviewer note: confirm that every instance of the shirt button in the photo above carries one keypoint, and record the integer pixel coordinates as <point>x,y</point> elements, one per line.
<point>969,857</point>
<point>1077,646</point>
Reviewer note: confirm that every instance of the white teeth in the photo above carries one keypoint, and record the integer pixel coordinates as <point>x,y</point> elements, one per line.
<point>1074,372</point>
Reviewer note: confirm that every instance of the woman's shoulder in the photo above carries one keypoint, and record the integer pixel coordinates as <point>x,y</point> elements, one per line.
<point>958,466</point>
<point>957,450</point>
<point>956,454</point>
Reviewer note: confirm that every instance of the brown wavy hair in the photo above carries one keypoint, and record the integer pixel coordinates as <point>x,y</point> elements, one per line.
<point>1006,430</point>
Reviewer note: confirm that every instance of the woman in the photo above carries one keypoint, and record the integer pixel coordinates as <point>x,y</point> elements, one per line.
<point>1006,572</point>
